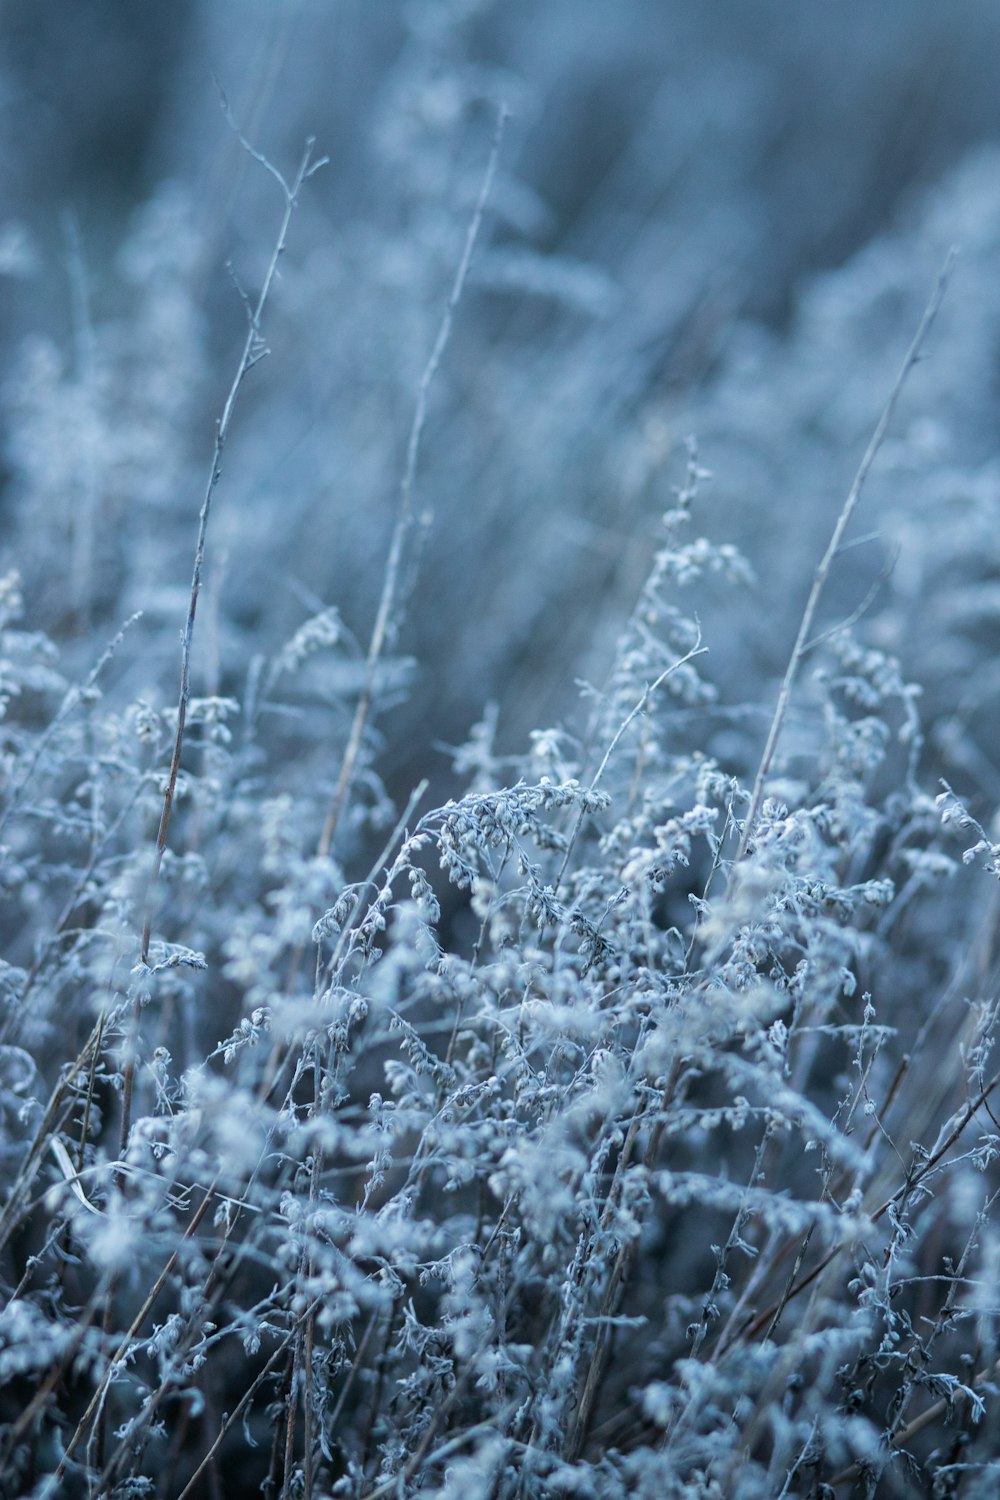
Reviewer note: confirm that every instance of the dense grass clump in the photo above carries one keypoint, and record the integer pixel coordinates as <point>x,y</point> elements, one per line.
<point>619,1126</point>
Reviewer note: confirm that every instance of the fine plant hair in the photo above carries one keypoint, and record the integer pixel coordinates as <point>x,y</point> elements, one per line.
<point>620,1126</point>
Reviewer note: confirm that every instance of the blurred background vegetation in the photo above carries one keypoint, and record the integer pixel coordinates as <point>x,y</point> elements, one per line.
<point>721,219</point>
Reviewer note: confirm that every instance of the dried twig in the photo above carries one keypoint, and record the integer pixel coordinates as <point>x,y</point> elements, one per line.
<point>803,639</point>
<point>404,515</point>
<point>254,349</point>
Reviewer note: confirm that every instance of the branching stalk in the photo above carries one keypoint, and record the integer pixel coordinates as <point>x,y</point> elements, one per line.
<point>382,629</point>
<point>254,349</point>
<point>804,637</point>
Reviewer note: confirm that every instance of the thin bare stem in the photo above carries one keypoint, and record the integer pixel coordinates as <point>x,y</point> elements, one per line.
<point>126,1343</point>
<point>232,1417</point>
<point>640,707</point>
<point>453,1445</point>
<point>253,349</point>
<point>937,1409</point>
<point>913,1180</point>
<point>51,1123</point>
<point>382,629</point>
<point>804,636</point>
<point>77,694</point>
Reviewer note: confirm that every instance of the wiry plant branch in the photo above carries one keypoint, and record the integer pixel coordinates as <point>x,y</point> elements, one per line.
<point>803,638</point>
<point>383,627</point>
<point>252,349</point>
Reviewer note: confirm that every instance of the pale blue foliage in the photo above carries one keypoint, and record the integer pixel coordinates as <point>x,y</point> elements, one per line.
<point>524,1138</point>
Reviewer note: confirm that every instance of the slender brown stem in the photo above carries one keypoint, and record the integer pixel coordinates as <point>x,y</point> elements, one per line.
<point>254,349</point>
<point>763,1320</point>
<point>382,628</point>
<point>639,708</point>
<point>11,1213</point>
<point>232,1417</point>
<point>933,1412</point>
<point>804,636</point>
<point>58,1371</point>
<point>125,1344</point>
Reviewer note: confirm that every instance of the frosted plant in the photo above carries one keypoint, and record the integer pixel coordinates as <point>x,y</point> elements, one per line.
<point>614,1126</point>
